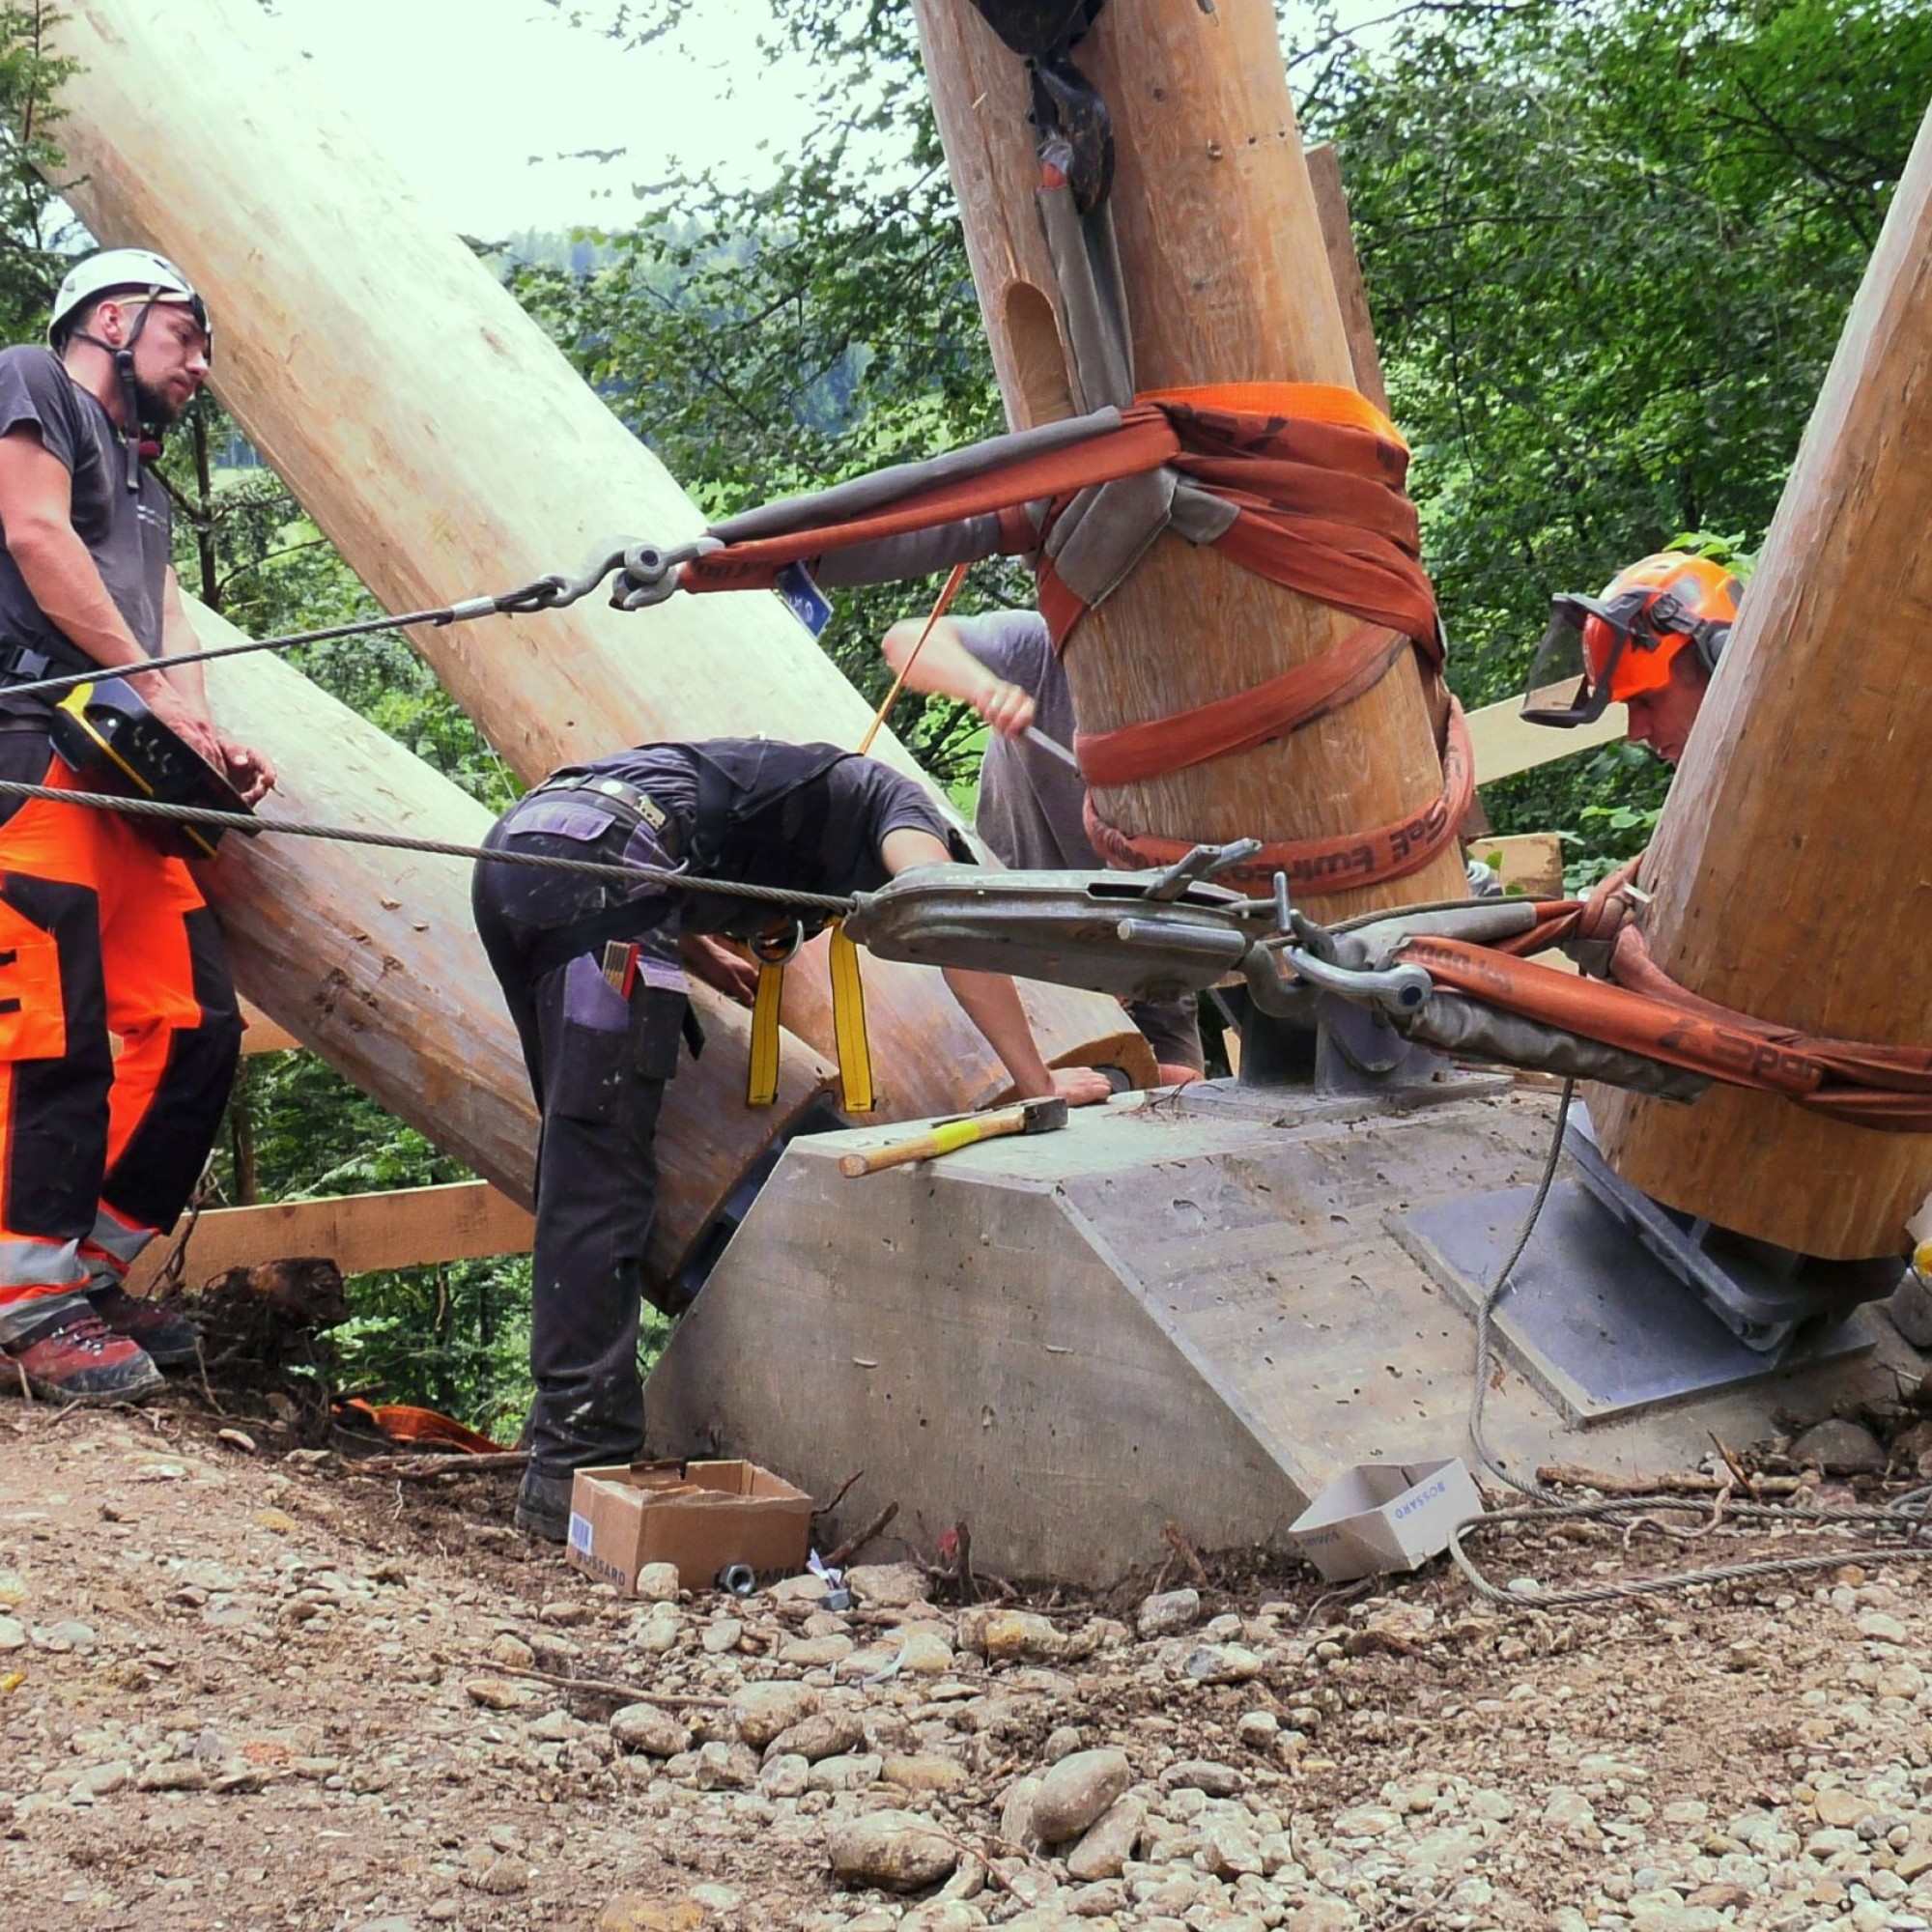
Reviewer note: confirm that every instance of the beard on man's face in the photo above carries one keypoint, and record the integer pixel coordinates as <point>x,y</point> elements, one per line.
<point>155,408</point>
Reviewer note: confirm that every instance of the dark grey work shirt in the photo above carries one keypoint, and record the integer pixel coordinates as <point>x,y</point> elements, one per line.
<point>824,835</point>
<point>126,532</point>
<point>1030,802</point>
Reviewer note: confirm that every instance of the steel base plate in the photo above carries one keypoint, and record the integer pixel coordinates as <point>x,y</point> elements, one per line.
<point>1593,1319</point>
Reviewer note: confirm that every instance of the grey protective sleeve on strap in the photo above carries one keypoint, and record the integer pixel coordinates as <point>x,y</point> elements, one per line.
<point>845,502</point>
<point>1456,1025</point>
<point>918,554</point>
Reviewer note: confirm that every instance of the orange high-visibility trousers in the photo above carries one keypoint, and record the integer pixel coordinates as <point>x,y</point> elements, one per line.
<point>100,932</point>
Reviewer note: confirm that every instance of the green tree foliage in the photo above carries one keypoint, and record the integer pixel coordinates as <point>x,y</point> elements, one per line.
<point>35,232</point>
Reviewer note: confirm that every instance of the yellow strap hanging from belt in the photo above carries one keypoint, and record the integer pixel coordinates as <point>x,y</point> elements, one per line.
<point>848,1029</point>
<point>848,991</point>
<point>761,1086</point>
<point>849,1024</point>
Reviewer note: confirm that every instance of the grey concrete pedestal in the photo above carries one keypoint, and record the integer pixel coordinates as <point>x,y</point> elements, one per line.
<point>1191,1309</point>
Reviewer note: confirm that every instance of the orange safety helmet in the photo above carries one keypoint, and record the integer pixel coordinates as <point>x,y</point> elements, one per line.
<point>1624,642</point>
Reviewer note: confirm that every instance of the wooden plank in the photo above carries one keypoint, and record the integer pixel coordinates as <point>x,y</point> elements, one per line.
<point>1507,744</point>
<point>1790,865</point>
<point>406,1228</point>
<point>1227,271</point>
<point>1345,265</point>
<point>1526,862</point>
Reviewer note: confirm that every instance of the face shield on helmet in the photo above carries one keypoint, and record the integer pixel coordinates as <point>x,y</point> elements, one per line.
<point>1624,644</point>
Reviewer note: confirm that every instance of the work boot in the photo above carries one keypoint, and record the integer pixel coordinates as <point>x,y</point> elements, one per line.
<point>79,1358</point>
<point>543,1503</point>
<point>171,1341</point>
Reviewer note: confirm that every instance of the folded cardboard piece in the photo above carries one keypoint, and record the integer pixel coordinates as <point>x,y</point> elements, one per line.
<point>704,1517</point>
<point>1385,1516</point>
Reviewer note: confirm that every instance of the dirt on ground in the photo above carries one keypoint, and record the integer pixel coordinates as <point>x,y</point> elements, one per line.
<point>245,1685</point>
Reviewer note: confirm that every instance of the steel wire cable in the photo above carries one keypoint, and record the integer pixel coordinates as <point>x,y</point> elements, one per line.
<point>355,834</point>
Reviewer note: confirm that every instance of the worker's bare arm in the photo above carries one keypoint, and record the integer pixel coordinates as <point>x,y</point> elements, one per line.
<point>946,667</point>
<point>992,1002</point>
<point>36,516</point>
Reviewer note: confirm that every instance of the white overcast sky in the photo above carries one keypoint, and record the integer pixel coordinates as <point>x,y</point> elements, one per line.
<point>462,94</point>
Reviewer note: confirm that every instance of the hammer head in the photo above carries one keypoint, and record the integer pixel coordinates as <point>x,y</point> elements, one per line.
<point>1042,1115</point>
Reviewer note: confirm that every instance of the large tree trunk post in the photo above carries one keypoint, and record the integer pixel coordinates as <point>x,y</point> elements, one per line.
<point>1228,280</point>
<point>1793,865</point>
<point>370,957</point>
<point>445,447</point>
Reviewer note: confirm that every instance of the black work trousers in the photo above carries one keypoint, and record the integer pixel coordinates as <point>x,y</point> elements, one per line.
<point>598,1061</point>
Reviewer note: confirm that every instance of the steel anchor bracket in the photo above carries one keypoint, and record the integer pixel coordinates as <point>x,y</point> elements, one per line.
<point>1766,1296</point>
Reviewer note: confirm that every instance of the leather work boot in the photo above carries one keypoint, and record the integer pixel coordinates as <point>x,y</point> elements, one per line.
<point>172,1341</point>
<point>543,1503</point>
<point>79,1358</point>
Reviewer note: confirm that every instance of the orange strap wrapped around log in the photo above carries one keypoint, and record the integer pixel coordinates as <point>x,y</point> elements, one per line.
<point>1314,475</point>
<point>1244,718</point>
<point>1315,866</point>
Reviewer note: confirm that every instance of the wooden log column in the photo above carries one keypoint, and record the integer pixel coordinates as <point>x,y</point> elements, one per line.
<point>369,957</point>
<point>1793,865</point>
<point>446,449</point>
<point>1227,280</point>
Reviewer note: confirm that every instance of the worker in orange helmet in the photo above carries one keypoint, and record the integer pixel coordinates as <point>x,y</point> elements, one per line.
<point>1650,642</point>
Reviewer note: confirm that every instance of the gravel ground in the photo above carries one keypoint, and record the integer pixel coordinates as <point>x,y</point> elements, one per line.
<point>248,1690</point>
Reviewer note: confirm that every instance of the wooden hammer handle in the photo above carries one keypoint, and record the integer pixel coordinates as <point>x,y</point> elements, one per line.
<point>938,1139</point>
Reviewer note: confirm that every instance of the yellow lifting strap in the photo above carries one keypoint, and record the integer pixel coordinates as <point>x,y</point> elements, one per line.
<point>761,1086</point>
<point>849,1025</point>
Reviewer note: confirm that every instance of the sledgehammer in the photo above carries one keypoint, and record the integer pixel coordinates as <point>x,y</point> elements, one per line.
<point>1028,1116</point>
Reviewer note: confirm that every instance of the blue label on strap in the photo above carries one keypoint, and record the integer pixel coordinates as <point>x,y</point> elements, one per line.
<point>804,599</point>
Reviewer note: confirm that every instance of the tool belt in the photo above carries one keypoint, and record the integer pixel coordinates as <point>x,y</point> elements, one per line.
<point>626,797</point>
<point>628,918</point>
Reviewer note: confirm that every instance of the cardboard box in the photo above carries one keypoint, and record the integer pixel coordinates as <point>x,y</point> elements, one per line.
<point>1385,1516</point>
<point>701,1515</point>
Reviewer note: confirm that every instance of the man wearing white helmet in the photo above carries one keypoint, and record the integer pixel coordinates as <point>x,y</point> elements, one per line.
<point>101,929</point>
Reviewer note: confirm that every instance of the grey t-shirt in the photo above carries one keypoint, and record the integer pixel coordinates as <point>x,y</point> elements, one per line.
<point>126,532</point>
<point>1030,802</point>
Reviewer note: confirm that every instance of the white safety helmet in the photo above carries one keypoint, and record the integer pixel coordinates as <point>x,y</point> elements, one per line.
<point>131,271</point>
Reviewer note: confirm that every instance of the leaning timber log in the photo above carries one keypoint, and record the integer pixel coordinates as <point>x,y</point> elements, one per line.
<point>445,447</point>
<point>1792,867</point>
<point>370,957</point>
